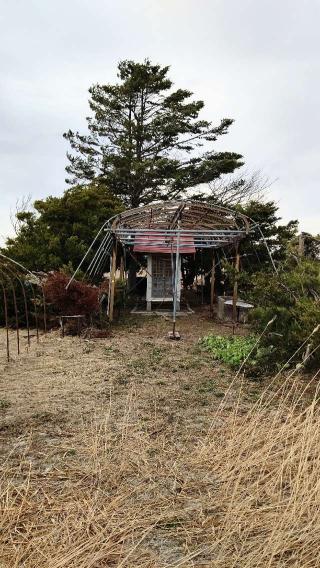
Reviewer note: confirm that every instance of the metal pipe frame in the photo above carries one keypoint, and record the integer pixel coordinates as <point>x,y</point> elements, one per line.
<point>133,225</point>
<point>176,276</point>
<point>12,270</point>
<point>5,303</point>
<point>7,277</point>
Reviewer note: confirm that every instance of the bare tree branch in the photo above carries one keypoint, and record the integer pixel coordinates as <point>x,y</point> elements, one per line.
<point>22,205</point>
<point>237,189</point>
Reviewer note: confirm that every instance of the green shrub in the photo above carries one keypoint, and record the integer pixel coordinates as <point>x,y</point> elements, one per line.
<point>293,296</point>
<point>231,350</point>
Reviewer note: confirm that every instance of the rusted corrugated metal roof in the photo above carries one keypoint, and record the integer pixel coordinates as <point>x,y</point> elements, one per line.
<point>159,243</point>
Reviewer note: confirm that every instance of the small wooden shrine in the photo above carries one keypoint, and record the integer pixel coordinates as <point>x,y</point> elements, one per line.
<point>164,233</point>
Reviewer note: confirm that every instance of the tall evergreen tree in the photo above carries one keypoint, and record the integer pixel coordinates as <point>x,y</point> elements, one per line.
<point>143,141</point>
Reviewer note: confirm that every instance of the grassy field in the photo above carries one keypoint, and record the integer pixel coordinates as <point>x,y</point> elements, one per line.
<point>134,451</point>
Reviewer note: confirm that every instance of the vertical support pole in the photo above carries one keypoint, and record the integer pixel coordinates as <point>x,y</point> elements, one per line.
<point>109,288</point>
<point>125,276</point>
<point>202,279</point>
<point>6,320</point>
<point>150,260</point>
<point>44,310</point>
<point>122,280</point>
<point>35,312</point>
<point>235,287</point>
<point>176,276</point>
<point>121,268</point>
<point>26,311</point>
<point>112,282</point>
<point>15,274</point>
<point>213,270</point>
<point>16,316</point>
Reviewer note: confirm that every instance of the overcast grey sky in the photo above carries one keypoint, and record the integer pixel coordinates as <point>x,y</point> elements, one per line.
<point>256,61</point>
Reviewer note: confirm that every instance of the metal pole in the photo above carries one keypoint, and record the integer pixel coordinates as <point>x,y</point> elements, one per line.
<point>109,288</point>
<point>16,315</point>
<point>212,282</point>
<point>24,301</point>
<point>112,281</point>
<point>202,279</point>
<point>6,319</point>
<point>33,294</point>
<point>175,293</point>
<point>122,267</point>
<point>235,287</point>
<point>15,309</point>
<point>26,313</point>
<point>85,256</point>
<point>268,249</point>
<point>35,310</point>
<point>44,310</point>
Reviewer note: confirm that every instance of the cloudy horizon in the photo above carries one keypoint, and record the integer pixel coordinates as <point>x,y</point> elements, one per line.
<point>255,62</point>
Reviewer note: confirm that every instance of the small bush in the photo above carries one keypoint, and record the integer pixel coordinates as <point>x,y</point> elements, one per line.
<point>293,296</point>
<point>231,350</point>
<point>79,299</point>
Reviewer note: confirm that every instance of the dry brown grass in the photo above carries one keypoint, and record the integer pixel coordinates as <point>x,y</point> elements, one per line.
<point>125,488</point>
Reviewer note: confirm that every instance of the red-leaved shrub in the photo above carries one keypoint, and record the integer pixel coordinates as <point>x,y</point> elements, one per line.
<point>78,299</point>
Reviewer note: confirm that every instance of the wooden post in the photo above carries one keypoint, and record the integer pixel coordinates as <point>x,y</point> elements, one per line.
<point>121,268</point>
<point>112,280</point>
<point>212,282</point>
<point>235,288</point>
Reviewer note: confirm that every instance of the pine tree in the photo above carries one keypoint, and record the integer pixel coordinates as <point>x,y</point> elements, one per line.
<point>143,141</point>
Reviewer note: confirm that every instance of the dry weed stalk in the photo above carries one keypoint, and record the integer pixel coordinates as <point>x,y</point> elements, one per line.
<point>246,495</point>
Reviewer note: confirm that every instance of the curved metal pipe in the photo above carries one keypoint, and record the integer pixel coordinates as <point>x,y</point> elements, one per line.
<point>15,308</point>
<point>6,318</point>
<point>16,274</point>
<point>32,288</point>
